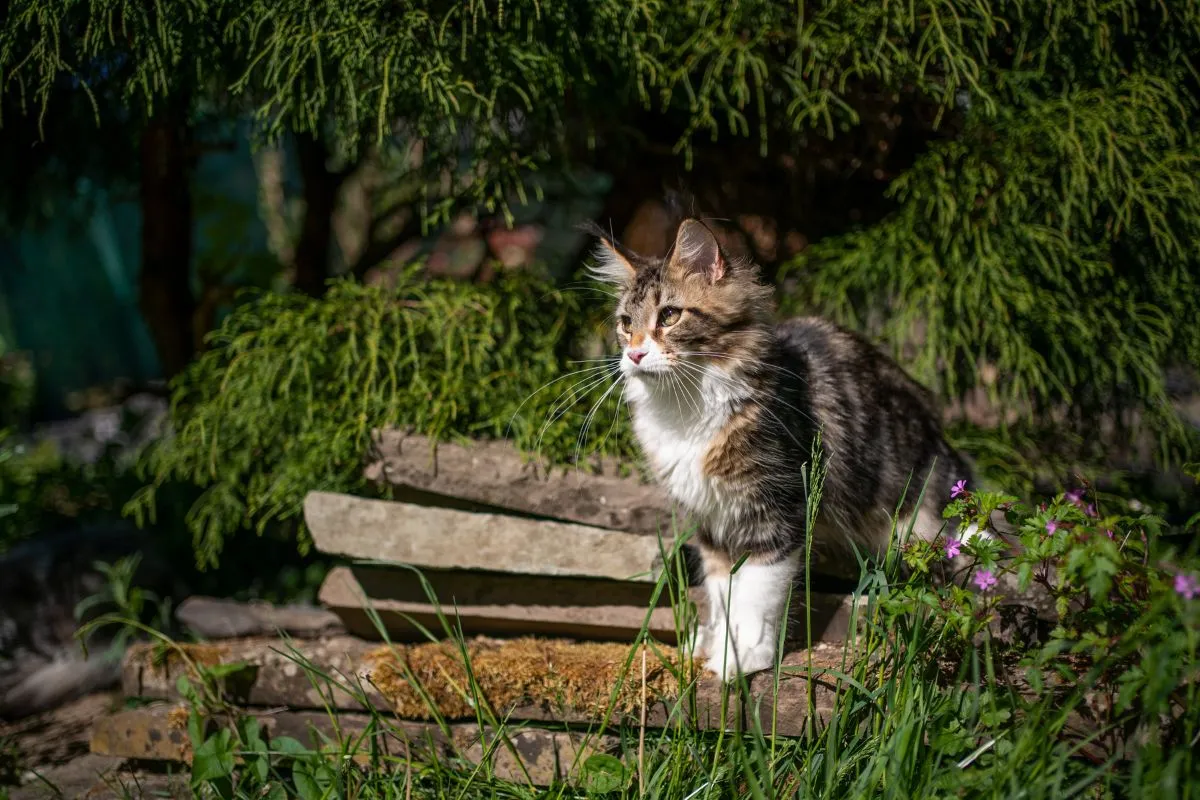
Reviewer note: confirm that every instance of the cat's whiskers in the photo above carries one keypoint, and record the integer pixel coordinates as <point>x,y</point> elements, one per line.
<point>544,386</point>
<point>587,422</point>
<point>616,418</point>
<point>697,397</point>
<point>583,287</point>
<point>561,408</point>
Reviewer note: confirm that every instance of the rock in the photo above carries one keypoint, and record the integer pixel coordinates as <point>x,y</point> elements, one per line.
<point>158,733</point>
<point>521,680</point>
<point>214,618</point>
<point>123,429</point>
<point>154,733</point>
<point>494,604</point>
<point>496,476</point>
<point>94,777</point>
<point>508,605</point>
<point>441,538</point>
<point>51,683</point>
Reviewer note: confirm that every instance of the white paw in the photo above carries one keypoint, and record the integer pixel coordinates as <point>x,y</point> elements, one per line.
<point>729,659</point>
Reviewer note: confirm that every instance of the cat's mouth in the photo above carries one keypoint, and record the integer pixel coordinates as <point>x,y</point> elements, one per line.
<point>659,366</point>
<point>659,369</point>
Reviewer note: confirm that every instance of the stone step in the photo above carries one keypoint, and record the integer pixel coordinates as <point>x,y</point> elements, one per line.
<point>494,604</point>
<point>496,476</point>
<point>519,680</point>
<point>517,605</point>
<point>441,538</point>
<point>158,732</point>
<point>221,618</point>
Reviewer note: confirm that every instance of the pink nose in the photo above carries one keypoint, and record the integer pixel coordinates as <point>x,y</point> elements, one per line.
<point>636,356</point>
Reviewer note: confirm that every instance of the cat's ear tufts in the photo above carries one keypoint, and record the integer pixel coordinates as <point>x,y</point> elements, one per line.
<point>610,262</point>
<point>697,251</point>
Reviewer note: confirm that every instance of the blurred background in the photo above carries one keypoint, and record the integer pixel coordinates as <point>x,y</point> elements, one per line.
<point>237,236</point>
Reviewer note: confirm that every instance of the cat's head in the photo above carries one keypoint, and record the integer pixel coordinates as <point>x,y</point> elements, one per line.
<point>696,305</point>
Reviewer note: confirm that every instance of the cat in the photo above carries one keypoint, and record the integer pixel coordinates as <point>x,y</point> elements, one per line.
<point>727,405</point>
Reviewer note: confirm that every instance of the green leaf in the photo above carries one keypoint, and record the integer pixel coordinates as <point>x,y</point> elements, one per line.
<point>602,773</point>
<point>185,689</point>
<point>287,746</point>
<point>219,671</point>
<point>213,759</point>
<point>250,730</point>
<point>306,785</point>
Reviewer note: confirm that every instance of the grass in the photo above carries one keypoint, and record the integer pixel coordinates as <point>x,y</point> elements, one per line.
<point>926,698</point>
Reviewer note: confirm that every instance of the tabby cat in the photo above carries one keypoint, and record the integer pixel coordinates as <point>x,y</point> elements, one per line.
<point>727,405</point>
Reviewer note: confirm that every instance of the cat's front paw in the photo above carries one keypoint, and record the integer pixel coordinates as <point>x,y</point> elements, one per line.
<point>729,659</point>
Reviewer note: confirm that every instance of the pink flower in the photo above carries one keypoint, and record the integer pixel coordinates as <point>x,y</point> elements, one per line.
<point>1090,510</point>
<point>1187,585</point>
<point>984,579</point>
<point>953,546</point>
<point>1075,496</point>
<point>960,488</point>
<point>1110,534</point>
<point>1052,526</point>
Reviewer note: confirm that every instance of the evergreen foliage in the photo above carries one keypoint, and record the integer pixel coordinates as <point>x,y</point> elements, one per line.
<point>1055,241</point>
<point>1045,231</point>
<point>286,397</point>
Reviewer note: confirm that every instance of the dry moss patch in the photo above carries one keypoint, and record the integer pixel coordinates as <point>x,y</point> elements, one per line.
<point>579,678</point>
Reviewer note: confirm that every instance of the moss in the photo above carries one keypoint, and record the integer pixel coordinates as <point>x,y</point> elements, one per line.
<point>576,679</point>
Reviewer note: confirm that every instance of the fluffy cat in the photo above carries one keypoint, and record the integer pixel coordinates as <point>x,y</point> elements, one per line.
<point>727,404</point>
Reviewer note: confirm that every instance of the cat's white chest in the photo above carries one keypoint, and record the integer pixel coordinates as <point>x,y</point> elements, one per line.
<point>676,433</point>
<point>678,454</point>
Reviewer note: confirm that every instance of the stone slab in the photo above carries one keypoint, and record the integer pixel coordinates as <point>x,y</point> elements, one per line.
<point>494,474</point>
<point>441,538</point>
<point>215,618</point>
<point>540,757</point>
<point>511,605</point>
<point>520,680</point>
<point>494,604</point>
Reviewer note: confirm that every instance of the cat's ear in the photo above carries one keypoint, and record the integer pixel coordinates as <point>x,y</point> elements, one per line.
<point>610,262</point>
<point>697,251</point>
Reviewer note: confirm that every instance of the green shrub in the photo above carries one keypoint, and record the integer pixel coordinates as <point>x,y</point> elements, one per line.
<point>1048,245</point>
<point>290,389</point>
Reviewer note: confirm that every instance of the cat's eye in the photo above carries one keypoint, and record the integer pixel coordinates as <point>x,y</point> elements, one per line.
<point>623,323</point>
<point>668,316</point>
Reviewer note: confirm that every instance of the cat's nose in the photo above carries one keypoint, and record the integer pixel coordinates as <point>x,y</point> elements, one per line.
<point>636,356</point>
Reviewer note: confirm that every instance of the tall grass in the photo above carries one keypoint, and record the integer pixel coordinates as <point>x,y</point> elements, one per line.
<point>929,701</point>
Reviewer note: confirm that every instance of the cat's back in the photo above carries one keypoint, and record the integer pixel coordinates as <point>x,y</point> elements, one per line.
<point>880,429</point>
<point>844,368</point>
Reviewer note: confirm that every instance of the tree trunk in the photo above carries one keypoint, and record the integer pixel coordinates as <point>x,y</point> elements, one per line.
<point>165,291</point>
<point>316,232</point>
